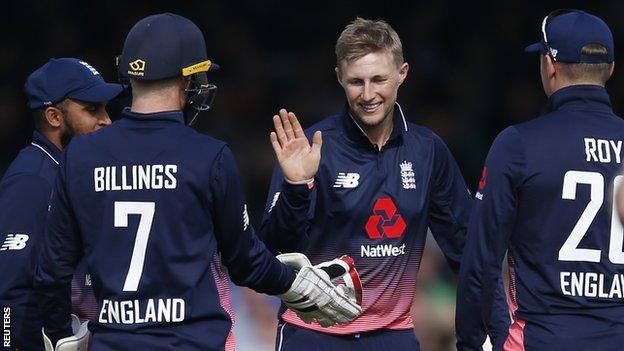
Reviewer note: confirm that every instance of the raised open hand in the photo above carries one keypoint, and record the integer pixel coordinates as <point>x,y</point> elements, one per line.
<point>298,159</point>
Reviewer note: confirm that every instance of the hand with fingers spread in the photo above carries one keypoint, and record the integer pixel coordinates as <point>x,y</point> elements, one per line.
<point>298,159</point>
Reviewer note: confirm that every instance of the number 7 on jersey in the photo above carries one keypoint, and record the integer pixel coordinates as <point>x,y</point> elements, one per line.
<point>146,211</point>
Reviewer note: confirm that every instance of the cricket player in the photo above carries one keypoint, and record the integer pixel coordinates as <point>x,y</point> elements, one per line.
<point>155,208</point>
<point>546,199</point>
<point>381,182</point>
<point>68,98</point>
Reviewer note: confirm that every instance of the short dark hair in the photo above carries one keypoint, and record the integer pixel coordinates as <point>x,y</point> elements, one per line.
<point>41,124</point>
<point>593,72</point>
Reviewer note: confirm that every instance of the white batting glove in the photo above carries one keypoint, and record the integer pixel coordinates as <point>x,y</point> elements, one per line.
<point>314,297</point>
<point>77,342</point>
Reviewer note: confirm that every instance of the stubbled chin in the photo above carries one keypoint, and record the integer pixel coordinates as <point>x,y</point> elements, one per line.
<point>370,120</point>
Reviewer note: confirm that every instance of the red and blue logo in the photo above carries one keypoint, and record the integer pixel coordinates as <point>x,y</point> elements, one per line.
<point>385,221</point>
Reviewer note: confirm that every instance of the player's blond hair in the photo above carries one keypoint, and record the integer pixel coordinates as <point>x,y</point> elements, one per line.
<point>597,73</point>
<point>362,37</point>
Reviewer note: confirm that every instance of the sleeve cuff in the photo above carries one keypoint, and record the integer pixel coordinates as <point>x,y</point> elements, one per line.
<point>297,194</point>
<point>308,182</point>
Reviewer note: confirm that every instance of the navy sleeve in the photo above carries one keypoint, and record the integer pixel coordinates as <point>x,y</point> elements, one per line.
<point>491,223</point>
<point>449,217</point>
<point>248,261</point>
<point>60,253</point>
<point>24,202</point>
<point>287,215</point>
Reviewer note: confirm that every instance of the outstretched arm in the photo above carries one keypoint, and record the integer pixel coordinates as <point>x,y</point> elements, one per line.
<point>291,196</point>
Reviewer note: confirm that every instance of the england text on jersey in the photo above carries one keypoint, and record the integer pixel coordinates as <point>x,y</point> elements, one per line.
<point>592,284</point>
<point>142,311</point>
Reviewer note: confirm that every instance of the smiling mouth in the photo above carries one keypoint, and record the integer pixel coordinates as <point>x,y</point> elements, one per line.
<point>370,107</point>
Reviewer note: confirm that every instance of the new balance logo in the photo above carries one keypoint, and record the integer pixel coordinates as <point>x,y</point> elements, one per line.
<point>14,242</point>
<point>347,180</point>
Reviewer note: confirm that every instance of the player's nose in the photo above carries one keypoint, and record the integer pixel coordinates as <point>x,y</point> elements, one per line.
<point>368,93</point>
<point>104,120</point>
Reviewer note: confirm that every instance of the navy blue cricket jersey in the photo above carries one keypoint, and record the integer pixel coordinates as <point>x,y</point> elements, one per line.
<point>546,199</point>
<point>154,207</point>
<point>374,205</point>
<point>25,192</point>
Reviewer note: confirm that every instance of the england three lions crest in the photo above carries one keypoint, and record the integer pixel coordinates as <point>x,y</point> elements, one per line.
<point>408,179</point>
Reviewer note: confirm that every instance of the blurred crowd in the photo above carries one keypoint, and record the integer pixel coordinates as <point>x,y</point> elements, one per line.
<point>468,79</point>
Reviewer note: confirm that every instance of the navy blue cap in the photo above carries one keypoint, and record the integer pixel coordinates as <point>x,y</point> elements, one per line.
<point>564,35</point>
<point>64,78</point>
<point>164,46</point>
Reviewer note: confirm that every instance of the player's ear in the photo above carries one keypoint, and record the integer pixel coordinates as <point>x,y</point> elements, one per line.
<point>338,75</point>
<point>549,65</point>
<point>53,116</point>
<point>403,72</point>
<point>612,69</point>
<point>183,85</point>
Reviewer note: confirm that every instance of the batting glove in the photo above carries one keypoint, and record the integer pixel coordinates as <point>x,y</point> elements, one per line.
<point>313,296</point>
<point>77,342</point>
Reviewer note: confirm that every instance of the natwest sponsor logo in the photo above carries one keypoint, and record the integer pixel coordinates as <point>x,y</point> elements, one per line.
<point>385,221</point>
<point>382,250</point>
